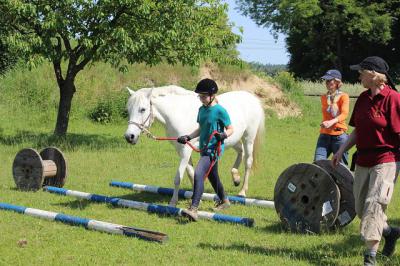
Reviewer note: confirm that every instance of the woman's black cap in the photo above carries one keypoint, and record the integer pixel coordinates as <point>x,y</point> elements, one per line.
<point>376,64</point>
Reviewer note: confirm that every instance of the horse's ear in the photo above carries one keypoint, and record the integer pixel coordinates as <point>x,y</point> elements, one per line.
<point>131,92</point>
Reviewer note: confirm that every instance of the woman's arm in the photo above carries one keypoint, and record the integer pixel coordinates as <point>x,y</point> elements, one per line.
<point>350,142</point>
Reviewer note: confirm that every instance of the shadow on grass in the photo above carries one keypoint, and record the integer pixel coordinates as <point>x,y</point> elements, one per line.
<point>146,197</point>
<point>69,142</point>
<point>274,228</point>
<point>324,254</point>
<point>278,227</point>
<point>76,204</point>
<point>142,197</point>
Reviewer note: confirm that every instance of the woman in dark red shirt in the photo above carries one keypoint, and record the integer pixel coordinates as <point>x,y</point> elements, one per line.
<point>376,122</point>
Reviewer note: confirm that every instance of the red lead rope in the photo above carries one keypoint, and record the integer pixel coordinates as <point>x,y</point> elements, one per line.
<point>217,150</point>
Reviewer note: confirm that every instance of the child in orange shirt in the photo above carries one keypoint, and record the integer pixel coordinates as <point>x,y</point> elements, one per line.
<point>335,108</point>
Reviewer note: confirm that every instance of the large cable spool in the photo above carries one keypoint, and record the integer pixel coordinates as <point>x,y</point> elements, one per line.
<point>306,198</point>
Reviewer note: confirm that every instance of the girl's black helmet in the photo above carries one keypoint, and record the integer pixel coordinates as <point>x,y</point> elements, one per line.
<point>208,86</point>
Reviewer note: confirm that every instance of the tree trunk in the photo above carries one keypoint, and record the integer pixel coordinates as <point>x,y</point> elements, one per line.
<point>339,50</point>
<point>67,90</point>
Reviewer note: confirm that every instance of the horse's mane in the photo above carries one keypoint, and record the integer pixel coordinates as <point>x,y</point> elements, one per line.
<point>170,90</point>
<point>159,91</point>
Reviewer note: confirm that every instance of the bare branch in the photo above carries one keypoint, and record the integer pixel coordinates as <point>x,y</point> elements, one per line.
<point>87,58</point>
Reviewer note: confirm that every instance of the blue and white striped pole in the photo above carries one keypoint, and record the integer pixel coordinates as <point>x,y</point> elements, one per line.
<point>149,207</point>
<point>88,223</point>
<point>188,194</point>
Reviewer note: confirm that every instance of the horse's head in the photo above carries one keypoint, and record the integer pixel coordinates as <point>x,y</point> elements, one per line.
<point>140,114</point>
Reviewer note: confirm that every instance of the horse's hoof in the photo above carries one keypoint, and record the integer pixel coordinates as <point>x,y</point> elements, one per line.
<point>236,183</point>
<point>242,194</point>
<point>172,204</point>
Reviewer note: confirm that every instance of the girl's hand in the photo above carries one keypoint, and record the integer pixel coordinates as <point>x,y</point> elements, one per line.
<point>183,139</point>
<point>328,123</point>
<point>221,136</point>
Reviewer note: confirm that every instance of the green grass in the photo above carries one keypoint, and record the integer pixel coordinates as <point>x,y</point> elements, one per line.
<point>98,153</point>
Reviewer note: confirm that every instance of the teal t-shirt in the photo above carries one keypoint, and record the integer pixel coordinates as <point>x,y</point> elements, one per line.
<point>212,118</point>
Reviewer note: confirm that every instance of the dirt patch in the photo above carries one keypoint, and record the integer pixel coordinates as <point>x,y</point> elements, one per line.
<point>271,95</point>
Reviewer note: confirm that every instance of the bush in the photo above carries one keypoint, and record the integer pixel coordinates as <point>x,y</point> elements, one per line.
<point>288,83</point>
<point>102,113</point>
<point>111,109</point>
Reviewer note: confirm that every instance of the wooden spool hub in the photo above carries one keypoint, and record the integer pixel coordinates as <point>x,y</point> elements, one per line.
<point>32,170</point>
<point>306,198</point>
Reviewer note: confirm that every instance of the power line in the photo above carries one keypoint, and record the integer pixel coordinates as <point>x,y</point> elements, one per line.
<point>260,48</point>
<point>262,40</point>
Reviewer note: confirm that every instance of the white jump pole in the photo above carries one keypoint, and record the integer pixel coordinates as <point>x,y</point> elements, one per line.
<point>149,207</point>
<point>88,223</point>
<point>188,194</point>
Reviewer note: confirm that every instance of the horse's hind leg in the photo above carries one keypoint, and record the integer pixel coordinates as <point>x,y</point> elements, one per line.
<point>235,168</point>
<point>190,171</point>
<point>248,156</point>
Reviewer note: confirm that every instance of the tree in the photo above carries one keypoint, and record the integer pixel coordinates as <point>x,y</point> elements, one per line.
<point>7,58</point>
<point>73,33</point>
<point>330,33</point>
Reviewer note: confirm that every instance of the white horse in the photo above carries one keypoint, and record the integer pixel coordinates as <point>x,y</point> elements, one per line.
<point>177,108</point>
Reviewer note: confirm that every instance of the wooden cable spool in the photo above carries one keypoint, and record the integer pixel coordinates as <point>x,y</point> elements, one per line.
<point>315,197</point>
<point>306,198</point>
<point>32,170</point>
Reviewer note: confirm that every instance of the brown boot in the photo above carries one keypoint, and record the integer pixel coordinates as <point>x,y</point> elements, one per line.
<point>222,205</point>
<point>190,213</point>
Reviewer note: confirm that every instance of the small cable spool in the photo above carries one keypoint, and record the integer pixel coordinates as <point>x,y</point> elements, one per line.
<point>33,170</point>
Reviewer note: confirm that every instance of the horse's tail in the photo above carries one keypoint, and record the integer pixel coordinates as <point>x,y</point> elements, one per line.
<point>259,139</point>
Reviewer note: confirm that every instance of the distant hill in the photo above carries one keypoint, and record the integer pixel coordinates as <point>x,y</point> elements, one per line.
<point>269,69</point>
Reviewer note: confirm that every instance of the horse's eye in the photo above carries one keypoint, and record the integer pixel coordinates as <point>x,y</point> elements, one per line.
<point>142,110</point>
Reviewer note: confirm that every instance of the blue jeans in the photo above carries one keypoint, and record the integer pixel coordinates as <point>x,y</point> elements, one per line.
<point>328,144</point>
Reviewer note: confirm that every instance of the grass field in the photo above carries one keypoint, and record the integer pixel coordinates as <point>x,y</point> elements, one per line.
<point>98,153</point>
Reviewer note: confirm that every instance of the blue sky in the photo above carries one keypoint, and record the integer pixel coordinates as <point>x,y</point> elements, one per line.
<point>257,45</point>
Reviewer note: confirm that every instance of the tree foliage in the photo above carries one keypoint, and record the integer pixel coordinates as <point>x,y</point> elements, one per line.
<point>7,58</point>
<point>78,32</point>
<point>323,34</point>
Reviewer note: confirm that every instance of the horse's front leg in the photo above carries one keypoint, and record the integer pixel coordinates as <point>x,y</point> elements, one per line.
<point>184,153</point>
<point>248,155</point>
<point>190,171</point>
<point>235,172</point>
